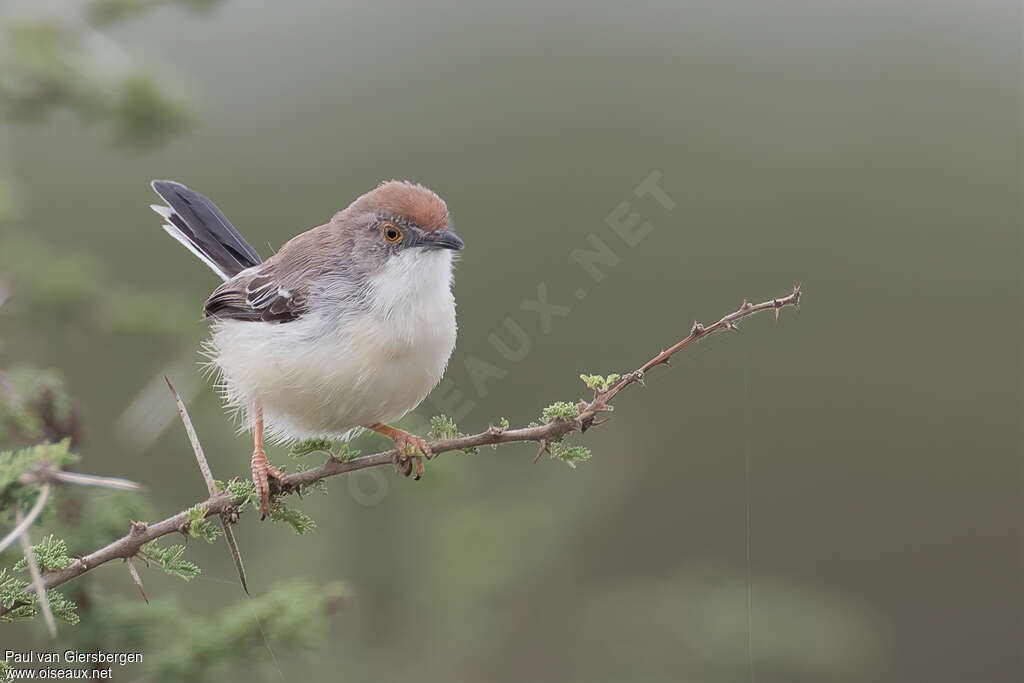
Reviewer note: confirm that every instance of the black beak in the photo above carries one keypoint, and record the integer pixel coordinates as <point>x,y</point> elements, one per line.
<point>442,239</point>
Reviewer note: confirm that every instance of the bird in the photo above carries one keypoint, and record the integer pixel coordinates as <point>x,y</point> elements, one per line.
<point>346,328</point>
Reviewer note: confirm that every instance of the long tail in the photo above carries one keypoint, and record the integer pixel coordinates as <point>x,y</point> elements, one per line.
<point>197,223</point>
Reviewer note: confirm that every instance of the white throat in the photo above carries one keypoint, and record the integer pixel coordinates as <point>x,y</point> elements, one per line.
<point>415,283</point>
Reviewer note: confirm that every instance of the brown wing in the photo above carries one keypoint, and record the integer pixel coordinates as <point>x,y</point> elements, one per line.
<point>260,296</point>
<point>278,290</point>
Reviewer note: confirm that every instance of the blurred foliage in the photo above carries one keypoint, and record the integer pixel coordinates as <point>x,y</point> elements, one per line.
<point>14,465</point>
<point>26,605</point>
<point>104,12</point>
<point>49,284</point>
<point>190,644</point>
<point>45,67</point>
<point>180,645</point>
<point>51,552</point>
<point>703,610</point>
<point>35,406</point>
<point>8,207</point>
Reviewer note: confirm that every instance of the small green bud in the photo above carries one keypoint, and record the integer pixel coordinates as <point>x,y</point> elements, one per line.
<point>600,382</point>
<point>443,427</point>
<point>560,410</point>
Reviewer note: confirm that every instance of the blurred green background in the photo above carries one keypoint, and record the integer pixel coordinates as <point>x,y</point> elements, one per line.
<point>833,497</point>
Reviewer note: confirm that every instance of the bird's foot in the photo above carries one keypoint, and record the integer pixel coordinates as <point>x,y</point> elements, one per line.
<point>261,470</point>
<point>410,448</point>
<point>411,451</point>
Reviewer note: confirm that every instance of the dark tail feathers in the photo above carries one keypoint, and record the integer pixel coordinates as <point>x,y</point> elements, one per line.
<point>197,223</point>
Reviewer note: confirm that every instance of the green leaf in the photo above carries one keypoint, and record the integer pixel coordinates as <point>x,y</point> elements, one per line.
<point>444,427</point>
<point>199,526</point>
<point>51,554</point>
<point>12,592</point>
<point>339,450</point>
<point>311,446</point>
<point>570,455</point>
<point>169,559</point>
<point>344,453</point>
<point>243,492</point>
<point>298,520</point>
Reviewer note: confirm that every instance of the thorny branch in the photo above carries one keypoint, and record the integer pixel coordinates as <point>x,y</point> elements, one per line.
<point>222,505</point>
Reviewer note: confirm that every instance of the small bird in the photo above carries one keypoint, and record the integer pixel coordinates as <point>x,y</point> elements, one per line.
<point>347,327</point>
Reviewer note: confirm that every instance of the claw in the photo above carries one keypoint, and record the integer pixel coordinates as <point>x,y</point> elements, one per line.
<point>261,470</point>
<point>410,448</point>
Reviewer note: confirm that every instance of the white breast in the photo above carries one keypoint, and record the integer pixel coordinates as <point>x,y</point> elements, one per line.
<point>338,368</point>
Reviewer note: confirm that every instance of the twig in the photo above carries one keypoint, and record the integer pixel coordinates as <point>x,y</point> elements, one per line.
<point>80,479</point>
<point>22,524</point>
<point>193,438</point>
<point>699,331</point>
<point>211,484</point>
<point>221,503</point>
<point>37,577</point>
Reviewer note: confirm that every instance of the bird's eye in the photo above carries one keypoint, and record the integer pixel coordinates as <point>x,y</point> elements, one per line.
<point>392,234</point>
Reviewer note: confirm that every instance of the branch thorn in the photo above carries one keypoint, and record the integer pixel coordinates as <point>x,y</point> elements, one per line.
<point>541,450</point>
<point>136,578</point>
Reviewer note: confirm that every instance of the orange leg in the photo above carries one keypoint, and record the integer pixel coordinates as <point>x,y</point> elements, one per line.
<point>411,448</point>
<point>261,468</point>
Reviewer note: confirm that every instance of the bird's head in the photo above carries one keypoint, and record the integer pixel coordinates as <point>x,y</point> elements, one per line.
<point>401,242</point>
<point>399,225</point>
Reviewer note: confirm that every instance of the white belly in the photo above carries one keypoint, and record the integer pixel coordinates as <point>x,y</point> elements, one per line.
<point>324,375</point>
